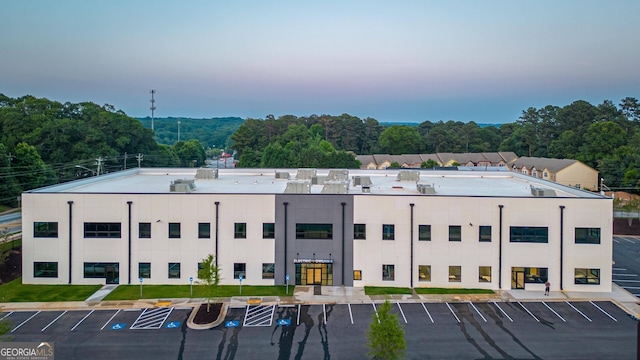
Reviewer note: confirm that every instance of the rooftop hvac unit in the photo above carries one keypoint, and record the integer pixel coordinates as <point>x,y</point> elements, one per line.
<point>206,174</point>
<point>318,180</point>
<point>366,189</point>
<point>426,189</point>
<point>305,174</point>
<point>335,187</point>
<point>282,175</point>
<point>338,175</point>
<point>408,175</point>
<point>541,192</point>
<point>298,187</point>
<point>182,185</point>
<point>361,181</point>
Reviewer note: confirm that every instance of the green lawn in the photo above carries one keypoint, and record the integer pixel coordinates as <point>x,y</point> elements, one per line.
<point>15,291</point>
<point>10,245</point>
<point>132,292</point>
<point>436,291</point>
<point>381,290</point>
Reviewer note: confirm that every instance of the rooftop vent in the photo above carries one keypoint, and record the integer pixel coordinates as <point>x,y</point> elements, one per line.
<point>541,192</point>
<point>361,181</point>
<point>338,175</point>
<point>305,174</point>
<point>335,187</point>
<point>182,185</point>
<point>408,175</point>
<point>206,174</point>
<point>366,189</point>
<point>426,189</point>
<point>298,187</point>
<point>282,175</point>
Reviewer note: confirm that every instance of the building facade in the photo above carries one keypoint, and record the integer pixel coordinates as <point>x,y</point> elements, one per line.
<point>404,228</point>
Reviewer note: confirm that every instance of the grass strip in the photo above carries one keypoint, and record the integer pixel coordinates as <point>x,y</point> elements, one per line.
<point>132,292</point>
<point>16,291</point>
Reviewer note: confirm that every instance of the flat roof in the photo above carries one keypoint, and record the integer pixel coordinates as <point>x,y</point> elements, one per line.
<point>264,181</point>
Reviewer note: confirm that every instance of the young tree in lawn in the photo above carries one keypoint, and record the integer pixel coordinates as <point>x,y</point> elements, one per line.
<point>386,336</point>
<point>209,275</point>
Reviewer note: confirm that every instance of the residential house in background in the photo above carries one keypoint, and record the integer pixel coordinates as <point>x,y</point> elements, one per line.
<point>563,171</point>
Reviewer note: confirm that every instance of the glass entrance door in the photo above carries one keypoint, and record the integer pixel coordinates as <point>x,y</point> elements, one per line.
<point>517,278</point>
<point>314,276</point>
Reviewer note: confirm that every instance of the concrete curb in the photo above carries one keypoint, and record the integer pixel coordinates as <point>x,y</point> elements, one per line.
<point>218,321</point>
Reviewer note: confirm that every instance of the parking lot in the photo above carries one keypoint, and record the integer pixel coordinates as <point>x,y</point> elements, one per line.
<point>523,330</point>
<point>626,268</point>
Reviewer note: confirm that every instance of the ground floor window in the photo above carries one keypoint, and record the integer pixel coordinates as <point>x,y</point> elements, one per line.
<point>174,271</point>
<point>45,269</point>
<point>587,276</point>
<point>239,269</point>
<point>268,270</point>
<point>455,273</point>
<point>484,274</point>
<point>388,272</point>
<point>357,274</point>
<point>424,272</point>
<point>108,271</point>
<point>144,270</point>
<point>314,274</point>
<point>528,275</point>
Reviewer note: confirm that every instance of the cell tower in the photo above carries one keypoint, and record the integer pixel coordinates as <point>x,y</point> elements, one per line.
<point>153,106</point>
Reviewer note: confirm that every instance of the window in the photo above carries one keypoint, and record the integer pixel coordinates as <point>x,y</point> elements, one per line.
<point>455,233</point>
<point>424,232</point>
<point>587,235</point>
<point>239,269</point>
<point>357,274</point>
<point>144,270</point>
<point>359,231</point>
<point>485,234</point>
<point>101,270</point>
<point>587,276</point>
<point>388,232</point>
<point>204,231</point>
<point>174,230</point>
<point>484,274</point>
<point>268,270</point>
<point>455,273</point>
<point>424,272</point>
<point>45,269</point>
<point>101,230</point>
<point>240,231</point>
<point>45,229</point>
<point>174,270</point>
<point>529,234</point>
<point>144,230</point>
<point>388,272</point>
<point>314,231</point>
<point>268,231</point>
<point>532,275</point>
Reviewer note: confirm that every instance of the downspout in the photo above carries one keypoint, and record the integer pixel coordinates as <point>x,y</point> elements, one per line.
<point>216,251</point>
<point>411,240</point>
<point>561,242</point>
<point>500,250</point>
<point>130,268</point>
<point>70,236</point>
<point>285,237</point>
<point>343,205</point>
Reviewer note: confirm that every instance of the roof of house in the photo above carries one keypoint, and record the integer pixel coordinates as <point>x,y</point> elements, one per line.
<point>553,165</point>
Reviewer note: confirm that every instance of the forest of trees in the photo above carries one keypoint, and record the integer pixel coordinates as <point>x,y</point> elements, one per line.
<point>211,133</point>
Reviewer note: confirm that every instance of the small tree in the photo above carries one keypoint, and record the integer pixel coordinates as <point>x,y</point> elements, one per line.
<point>429,164</point>
<point>209,275</point>
<point>386,336</point>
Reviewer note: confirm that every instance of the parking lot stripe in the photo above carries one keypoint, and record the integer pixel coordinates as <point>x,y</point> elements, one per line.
<point>2,318</point>
<point>631,287</point>
<point>527,310</point>
<point>427,311</point>
<point>505,314</point>
<point>324,313</point>
<point>81,320</point>
<point>631,281</point>
<point>111,318</point>
<point>580,312</point>
<point>376,311</point>
<point>350,313</point>
<point>606,313</point>
<point>627,240</point>
<point>624,274</point>
<point>402,312</point>
<point>476,309</point>
<point>616,241</point>
<point>52,321</point>
<point>558,315</point>
<point>24,322</point>
<point>452,312</point>
<point>621,269</point>
<point>298,317</point>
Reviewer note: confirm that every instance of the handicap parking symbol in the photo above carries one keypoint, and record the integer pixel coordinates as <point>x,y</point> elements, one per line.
<point>231,323</point>
<point>118,326</point>
<point>284,322</point>
<point>172,325</point>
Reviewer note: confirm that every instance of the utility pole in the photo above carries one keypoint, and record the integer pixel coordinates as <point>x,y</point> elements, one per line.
<point>139,158</point>
<point>99,162</point>
<point>10,157</point>
<point>153,107</point>
<point>178,130</point>
<point>125,161</point>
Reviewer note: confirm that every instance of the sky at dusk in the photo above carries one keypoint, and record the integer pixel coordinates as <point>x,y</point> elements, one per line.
<point>405,61</point>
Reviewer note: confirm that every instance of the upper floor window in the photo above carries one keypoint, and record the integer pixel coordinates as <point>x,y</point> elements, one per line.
<point>204,231</point>
<point>45,229</point>
<point>455,233</point>
<point>587,235</point>
<point>102,230</point>
<point>144,230</point>
<point>174,230</point>
<point>314,231</point>
<point>359,231</point>
<point>529,234</point>
<point>485,234</point>
<point>240,230</point>
<point>388,232</point>
<point>268,231</point>
<point>424,232</point>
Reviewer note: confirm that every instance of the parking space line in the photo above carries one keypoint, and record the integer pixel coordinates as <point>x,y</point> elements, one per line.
<point>580,312</point>
<point>425,309</point>
<point>259,315</point>
<point>108,321</point>
<point>52,321</point>
<point>624,274</point>
<point>81,320</point>
<point>151,318</point>
<point>601,309</point>
<point>402,312</point>
<point>505,314</point>
<point>350,313</point>
<point>376,311</point>
<point>4,317</point>
<point>631,287</point>
<point>24,322</point>
<point>527,310</point>
<point>324,313</point>
<point>621,269</point>
<point>298,317</point>
<point>476,309</point>
<point>631,281</point>
<point>558,315</point>
<point>452,312</point>
<point>616,241</point>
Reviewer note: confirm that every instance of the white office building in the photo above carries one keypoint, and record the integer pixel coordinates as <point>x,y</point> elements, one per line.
<point>403,228</point>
